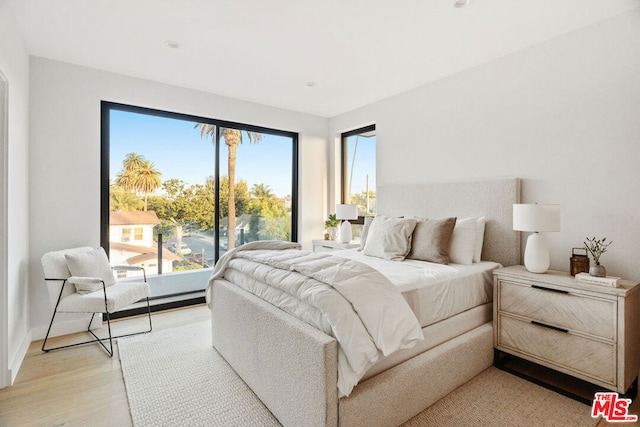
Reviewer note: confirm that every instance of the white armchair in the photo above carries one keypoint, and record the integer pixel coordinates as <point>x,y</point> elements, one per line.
<point>80,280</point>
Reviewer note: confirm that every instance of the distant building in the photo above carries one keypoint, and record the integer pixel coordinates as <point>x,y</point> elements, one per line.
<point>131,243</point>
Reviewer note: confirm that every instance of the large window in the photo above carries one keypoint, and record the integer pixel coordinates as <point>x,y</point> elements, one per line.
<point>178,191</point>
<point>359,172</point>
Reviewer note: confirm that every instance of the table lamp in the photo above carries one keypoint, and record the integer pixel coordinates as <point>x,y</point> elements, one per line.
<point>536,218</point>
<point>345,213</point>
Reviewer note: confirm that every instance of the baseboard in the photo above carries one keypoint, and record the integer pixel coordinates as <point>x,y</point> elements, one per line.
<point>16,362</point>
<point>65,327</point>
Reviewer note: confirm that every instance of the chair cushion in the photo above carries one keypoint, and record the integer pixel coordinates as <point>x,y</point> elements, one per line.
<point>90,264</point>
<point>119,296</point>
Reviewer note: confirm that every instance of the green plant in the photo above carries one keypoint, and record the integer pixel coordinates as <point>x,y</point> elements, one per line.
<point>332,221</point>
<point>597,247</point>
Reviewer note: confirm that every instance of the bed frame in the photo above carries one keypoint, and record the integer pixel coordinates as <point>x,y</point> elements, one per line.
<point>292,367</point>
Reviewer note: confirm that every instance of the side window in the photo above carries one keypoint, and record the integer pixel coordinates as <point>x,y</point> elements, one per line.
<point>137,234</point>
<point>126,235</point>
<point>359,173</point>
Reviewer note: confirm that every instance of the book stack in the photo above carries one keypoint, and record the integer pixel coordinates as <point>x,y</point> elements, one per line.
<point>604,281</point>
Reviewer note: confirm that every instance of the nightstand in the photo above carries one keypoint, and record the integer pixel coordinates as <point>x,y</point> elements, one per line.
<point>333,245</point>
<point>590,332</point>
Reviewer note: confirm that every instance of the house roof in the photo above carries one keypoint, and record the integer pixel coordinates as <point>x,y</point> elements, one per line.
<point>133,218</point>
<point>145,253</point>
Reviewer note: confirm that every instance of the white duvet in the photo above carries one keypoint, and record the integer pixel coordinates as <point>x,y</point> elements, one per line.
<point>345,298</point>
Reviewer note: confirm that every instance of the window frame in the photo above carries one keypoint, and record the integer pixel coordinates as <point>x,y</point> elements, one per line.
<point>107,106</point>
<point>344,160</point>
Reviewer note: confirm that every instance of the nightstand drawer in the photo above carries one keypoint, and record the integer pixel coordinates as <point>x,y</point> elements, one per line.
<point>557,349</point>
<point>587,314</point>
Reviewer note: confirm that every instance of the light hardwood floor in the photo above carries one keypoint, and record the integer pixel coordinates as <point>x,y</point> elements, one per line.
<point>83,386</point>
<point>80,386</point>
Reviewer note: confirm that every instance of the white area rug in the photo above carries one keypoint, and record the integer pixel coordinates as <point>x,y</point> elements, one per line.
<point>175,378</point>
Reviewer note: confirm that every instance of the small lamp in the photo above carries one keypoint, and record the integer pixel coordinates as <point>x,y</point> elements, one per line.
<point>536,218</point>
<point>346,212</point>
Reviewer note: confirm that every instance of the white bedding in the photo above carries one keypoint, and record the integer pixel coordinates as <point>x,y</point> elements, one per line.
<point>346,299</point>
<point>392,300</point>
<point>434,291</point>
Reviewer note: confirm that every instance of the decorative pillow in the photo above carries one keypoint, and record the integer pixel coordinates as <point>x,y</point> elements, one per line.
<point>431,240</point>
<point>90,264</point>
<point>463,241</point>
<point>365,231</point>
<point>389,238</point>
<point>477,252</point>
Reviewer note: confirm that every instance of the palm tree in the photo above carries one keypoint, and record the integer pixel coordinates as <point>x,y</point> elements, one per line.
<point>125,179</point>
<point>233,138</point>
<point>262,191</point>
<point>138,175</point>
<point>133,162</point>
<point>147,179</point>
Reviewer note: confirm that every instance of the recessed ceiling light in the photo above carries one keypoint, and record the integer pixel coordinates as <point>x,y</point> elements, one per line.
<point>461,3</point>
<point>172,44</point>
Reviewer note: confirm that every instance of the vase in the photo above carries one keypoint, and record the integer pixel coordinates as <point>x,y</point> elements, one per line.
<point>597,270</point>
<point>333,233</point>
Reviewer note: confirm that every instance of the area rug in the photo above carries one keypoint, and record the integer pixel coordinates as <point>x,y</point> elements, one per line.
<point>175,378</point>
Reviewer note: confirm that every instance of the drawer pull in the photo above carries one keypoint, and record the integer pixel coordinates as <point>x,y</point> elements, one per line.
<point>555,328</point>
<point>549,289</point>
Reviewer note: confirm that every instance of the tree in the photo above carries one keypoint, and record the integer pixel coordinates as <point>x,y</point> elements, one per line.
<point>363,199</point>
<point>147,180</point>
<point>232,138</point>
<point>138,175</point>
<point>269,217</point>
<point>241,199</point>
<point>124,180</point>
<point>123,200</point>
<point>176,208</point>
<point>262,191</point>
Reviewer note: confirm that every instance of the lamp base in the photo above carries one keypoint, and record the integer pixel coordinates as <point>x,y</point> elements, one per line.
<point>345,232</point>
<point>536,254</point>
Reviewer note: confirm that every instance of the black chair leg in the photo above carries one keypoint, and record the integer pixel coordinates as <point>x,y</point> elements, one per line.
<point>48,331</point>
<point>97,339</point>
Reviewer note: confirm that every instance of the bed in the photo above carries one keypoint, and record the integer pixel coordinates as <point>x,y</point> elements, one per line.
<point>293,366</point>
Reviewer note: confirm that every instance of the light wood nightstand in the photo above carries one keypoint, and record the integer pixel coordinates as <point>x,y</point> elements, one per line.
<point>333,245</point>
<point>587,331</point>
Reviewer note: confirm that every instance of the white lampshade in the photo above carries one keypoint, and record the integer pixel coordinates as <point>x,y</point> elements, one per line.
<point>536,218</point>
<point>346,211</point>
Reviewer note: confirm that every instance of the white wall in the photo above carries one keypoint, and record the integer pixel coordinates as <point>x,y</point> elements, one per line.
<point>14,279</point>
<point>64,189</point>
<point>564,116</point>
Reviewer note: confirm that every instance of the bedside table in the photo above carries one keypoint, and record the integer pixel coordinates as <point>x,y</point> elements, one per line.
<point>587,331</point>
<point>333,245</point>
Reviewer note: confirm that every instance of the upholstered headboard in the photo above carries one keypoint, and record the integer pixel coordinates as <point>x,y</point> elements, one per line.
<point>493,199</point>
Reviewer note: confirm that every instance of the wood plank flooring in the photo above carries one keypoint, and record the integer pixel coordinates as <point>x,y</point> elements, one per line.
<point>83,386</point>
<point>79,386</point>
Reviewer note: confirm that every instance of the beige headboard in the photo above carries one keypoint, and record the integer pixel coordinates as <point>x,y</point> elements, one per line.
<point>491,198</point>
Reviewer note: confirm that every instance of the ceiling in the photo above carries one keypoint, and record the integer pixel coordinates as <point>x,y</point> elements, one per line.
<point>319,57</point>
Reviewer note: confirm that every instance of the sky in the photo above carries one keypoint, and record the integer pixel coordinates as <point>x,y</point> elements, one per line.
<point>178,151</point>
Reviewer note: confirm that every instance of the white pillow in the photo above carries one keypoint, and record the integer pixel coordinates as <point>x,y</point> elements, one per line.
<point>365,231</point>
<point>90,264</point>
<point>463,241</point>
<point>477,252</point>
<point>389,238</point>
